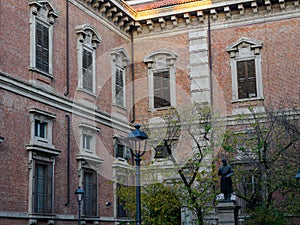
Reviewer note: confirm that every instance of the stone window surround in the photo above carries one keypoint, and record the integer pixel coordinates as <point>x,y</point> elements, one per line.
<point>245,49</point>
<point>89,130</point>
<point>33,158</point>
<point>88,38</point>
<point>36,114</point>
<point>120,60</point>
<point>157,61</point>
<point>42,11</point>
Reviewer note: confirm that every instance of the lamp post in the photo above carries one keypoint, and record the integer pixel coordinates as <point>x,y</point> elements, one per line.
<point>79,193</point>
<point>137,142</point>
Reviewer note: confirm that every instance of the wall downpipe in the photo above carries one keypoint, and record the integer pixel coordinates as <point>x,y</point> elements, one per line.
<point>67,50</point>
<point>68,158</point>
<point>210,60</point>
<point>132,77</point>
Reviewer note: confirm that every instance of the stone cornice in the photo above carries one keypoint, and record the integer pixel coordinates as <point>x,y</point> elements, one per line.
<point>124,18</point>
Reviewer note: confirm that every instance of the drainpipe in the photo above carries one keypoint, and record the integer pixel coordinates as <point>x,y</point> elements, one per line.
<point>210,60</point>
<point>68,158</point>
<point>132,77</point>
<point>67,49</point>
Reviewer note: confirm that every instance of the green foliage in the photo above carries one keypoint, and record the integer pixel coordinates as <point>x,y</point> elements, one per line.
<point>160,203</point>
<point>268,147</point>
<point>264,216</point>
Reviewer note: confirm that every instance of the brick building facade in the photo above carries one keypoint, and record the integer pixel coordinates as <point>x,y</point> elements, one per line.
<point>67,99</point>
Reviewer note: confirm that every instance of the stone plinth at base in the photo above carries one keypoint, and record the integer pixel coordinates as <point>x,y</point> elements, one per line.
<point>227,213</point>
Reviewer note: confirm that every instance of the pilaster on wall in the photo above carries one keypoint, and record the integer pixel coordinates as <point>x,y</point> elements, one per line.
<point>199,68</point>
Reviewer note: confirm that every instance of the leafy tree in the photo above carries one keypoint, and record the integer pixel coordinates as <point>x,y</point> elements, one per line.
<point>267,145</point>
<point>160,203</point>
<point>185,138</point>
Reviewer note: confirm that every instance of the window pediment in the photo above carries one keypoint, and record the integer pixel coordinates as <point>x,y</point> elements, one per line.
<point>44,9</point>
<point>88,35</point>
<point>120,57</point>
<point>244,47</point>
<point>160,59</point>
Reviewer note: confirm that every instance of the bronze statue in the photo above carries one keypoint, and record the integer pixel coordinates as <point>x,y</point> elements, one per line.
<point>226,172</point>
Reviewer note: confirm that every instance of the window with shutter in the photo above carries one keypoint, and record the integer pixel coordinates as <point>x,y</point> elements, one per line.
<point>42,47</point>
<point>246,79</point>
<point>119,88</point>
<point>87,70</point>
<point>161,89</point>
<point>90,193</point>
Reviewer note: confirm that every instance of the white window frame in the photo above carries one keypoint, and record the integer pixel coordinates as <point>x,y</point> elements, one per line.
<point>119,61</point>
<point>91,131</point>
<point>241,50</point>
<point>45,13</point>
<point>88,39</point>
<point>161,61</point>
<point>44,117</point>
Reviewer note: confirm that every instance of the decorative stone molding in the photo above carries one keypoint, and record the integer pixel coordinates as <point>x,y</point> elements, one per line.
<point>88,34</point>
<point>44,8</point>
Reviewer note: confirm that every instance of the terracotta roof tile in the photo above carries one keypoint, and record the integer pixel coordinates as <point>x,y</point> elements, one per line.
<point>159,4</point>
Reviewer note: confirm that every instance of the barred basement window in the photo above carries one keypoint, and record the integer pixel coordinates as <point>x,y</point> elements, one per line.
<point>42,187</point>
<point>161,89</point>
<point>90,192</point>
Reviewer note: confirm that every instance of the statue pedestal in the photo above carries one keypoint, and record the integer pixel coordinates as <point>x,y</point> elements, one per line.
<point>227,213</point>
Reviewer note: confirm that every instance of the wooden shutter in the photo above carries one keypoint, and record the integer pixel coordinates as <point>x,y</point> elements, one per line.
<point>161,89</point>
<point>87,70</point>
<point>119,94</point>
<point>246,79</point>
<point>42,47</point>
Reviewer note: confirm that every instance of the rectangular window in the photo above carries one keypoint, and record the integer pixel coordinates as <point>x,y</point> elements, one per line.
<point>161,89</point>
<point>119,95</point>
<point>87,70</point>
<point>246,79</point>
<point>42,47</point>
<point>40,129</point>
<point>90,193</point>
<point>122,151</point>
<point>42,188</point>
<point>86,141</point>
<point>121,211</point>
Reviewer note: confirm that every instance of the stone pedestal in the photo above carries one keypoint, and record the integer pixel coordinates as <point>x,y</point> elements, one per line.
<point>227,213</point>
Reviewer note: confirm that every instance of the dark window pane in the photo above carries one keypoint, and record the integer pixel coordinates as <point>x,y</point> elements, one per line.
<point>40,129</point>
<point>42,186</point>
<point>87,70</point>
<point>42,47</point>
<point>161,89</point>
<point>90,193</point>
<point>246,79</point>
<point>119,95</point>
<point>121,211</point>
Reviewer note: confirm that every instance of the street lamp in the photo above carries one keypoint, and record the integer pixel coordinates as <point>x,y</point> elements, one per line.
<point>137,142</point>
<point>79,193</point>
